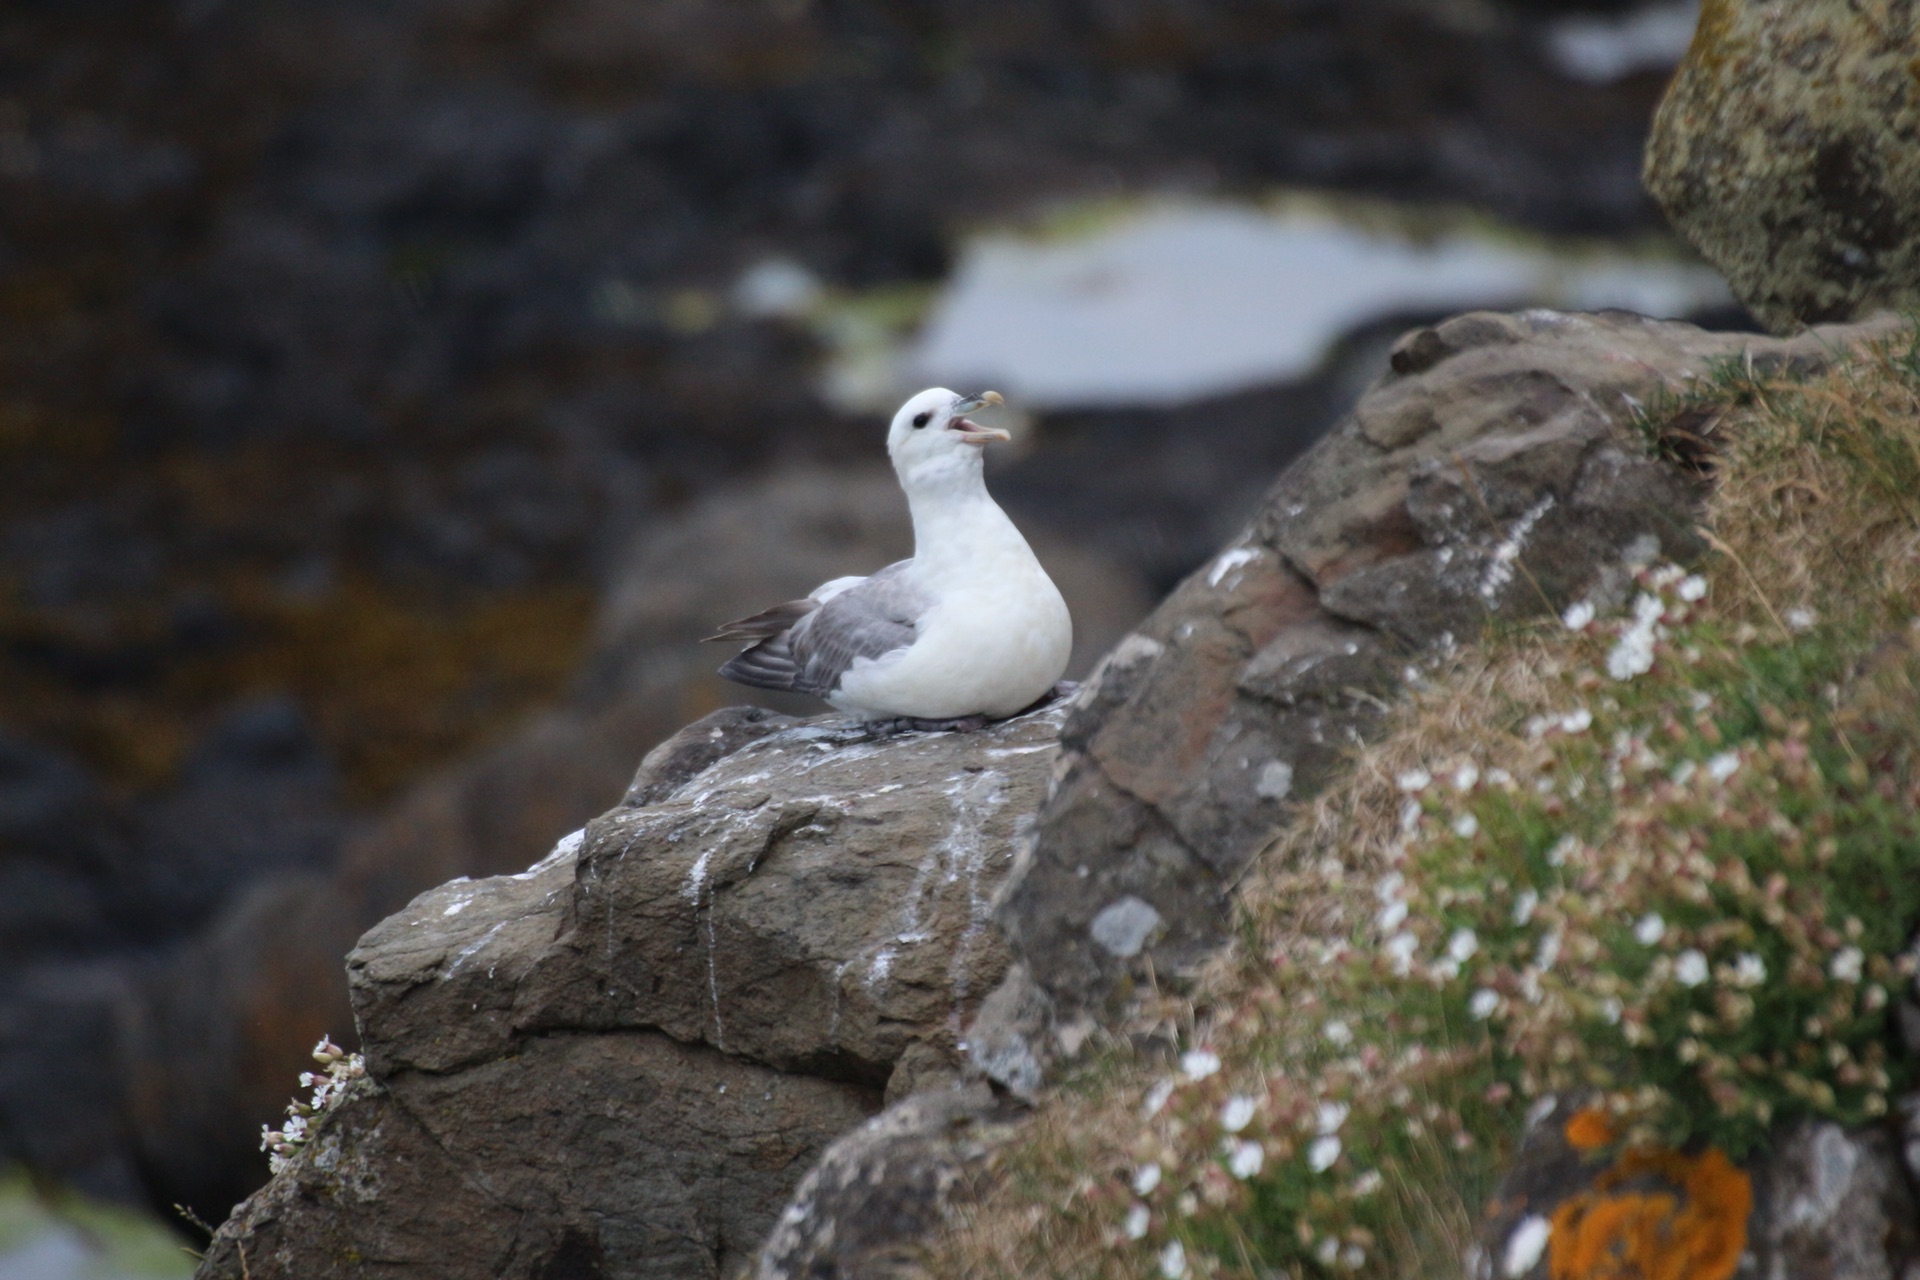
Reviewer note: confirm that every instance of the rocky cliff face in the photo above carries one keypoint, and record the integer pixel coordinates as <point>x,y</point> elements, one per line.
<point>1495,470</point>
<point>623,1060</point>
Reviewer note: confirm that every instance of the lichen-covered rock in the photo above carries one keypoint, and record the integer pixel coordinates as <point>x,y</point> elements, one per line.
<point>622,1060</point>
<point>1495,470</point>
<point>1817,1204</point>
<point>1787,149</point>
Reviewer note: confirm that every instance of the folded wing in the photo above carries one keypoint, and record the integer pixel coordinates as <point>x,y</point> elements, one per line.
<point>807,645</point>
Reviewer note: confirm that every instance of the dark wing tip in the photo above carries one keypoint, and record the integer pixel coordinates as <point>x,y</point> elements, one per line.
<point>762,667</point>
<point>765,624</point>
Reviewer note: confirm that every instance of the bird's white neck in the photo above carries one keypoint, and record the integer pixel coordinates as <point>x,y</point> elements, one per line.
<point>954,518</point>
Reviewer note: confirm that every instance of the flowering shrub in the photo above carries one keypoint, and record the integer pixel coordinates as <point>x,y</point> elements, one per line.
<point>339,1069</point>
<point>1663,858</point>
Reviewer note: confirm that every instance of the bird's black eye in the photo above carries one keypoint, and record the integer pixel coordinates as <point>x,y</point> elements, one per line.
<point>922,419</point>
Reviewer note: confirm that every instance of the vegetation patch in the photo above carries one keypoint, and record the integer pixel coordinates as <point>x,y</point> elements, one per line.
<point>1660,855</point>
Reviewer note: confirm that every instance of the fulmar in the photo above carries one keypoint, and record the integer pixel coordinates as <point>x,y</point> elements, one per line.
<point>969,629</point>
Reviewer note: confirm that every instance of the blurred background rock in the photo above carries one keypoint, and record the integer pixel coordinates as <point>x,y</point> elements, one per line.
<point>392,391</point>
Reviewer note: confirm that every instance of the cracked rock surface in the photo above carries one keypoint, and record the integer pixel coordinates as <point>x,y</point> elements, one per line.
<point>622,1060</point>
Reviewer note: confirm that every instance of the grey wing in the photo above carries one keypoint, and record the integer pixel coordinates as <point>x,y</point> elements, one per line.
<point>810,654</point>
<point>871,620</point>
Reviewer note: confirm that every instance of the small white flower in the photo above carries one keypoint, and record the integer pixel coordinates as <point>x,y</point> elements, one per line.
<point>1466,777</point>
<point>1388,890</point>
<point>1577,616</point>
<point>1699,699</point>
<point>1683,773</point>
<point>1650,929</point>
<point>1137,1219</point>
<point>1562,849</point>
<point>1327,1251</point>
<point>1391,916</point>
<point>1549,951</point>
<point>1410,817</point>
<point>1199,1063</point>
<point>1352,1257</point>
<point>1146,1178</point>
<point>1723,766</point>
<point>1322,1154</point>
<point>1749,970</point>
<point>1800,619</point>
<point>1466,826</point>
<point>1368,1183</point>
<point>1690,970</point>
<point>1245,1160</point>
<point>1578,721</point>
<point>1692,587</point>
<point>1610,1011</point>
<point>1483,1004</point>
<point>1631,656</point>
<point>1414,781</point>
<point>1173,1260</point>
<point>1337,1033</point>
<point>1525,903</point>
<point>1400,948</point>
<point>1238,1112</point>
<point>1525,1245</point>
<point>1846,965</point>
<point>1462,945</point>
<point>1332,1115</point>
<point>1156,1098</point>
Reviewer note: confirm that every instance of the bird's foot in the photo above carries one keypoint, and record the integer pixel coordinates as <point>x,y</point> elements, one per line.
<point>914,724</point>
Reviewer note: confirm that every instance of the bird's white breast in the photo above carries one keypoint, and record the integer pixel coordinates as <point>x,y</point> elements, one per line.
<point>996,638</point>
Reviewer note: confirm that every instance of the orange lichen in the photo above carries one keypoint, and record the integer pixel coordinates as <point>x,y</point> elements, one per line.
<point>1589,1128</point>
<point>1624,1229</point>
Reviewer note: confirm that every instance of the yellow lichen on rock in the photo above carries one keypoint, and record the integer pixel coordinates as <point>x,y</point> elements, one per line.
<point>1654,1215</point>
<point>1589,1128</point>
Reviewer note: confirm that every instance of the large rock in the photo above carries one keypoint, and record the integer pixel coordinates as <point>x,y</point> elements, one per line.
<point>622,1060</point>
<point>1787,149</point>
<point>165,1068</point>
<point>1495,470</point>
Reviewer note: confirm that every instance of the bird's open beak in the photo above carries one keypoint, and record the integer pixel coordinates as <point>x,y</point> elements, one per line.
<point>973,432</point>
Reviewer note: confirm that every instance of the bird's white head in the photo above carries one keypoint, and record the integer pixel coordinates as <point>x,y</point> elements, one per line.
<point>932,442</point>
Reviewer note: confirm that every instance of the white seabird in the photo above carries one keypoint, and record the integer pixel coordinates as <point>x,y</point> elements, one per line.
<point>970,628</point>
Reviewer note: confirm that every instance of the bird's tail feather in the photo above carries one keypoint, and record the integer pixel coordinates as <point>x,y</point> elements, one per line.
<point>767,665</point>
<point>767,623</point>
